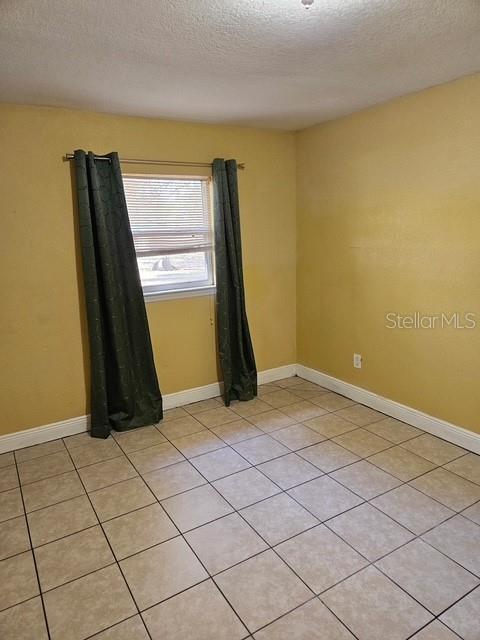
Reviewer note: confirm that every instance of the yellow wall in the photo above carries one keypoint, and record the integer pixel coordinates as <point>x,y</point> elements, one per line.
<point>389,220</point>
<point>43,371</point>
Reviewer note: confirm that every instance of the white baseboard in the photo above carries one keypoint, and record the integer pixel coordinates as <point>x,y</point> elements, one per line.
<point>196,394</point>
<point>457,435</point>
<point>44,433</point>
<point>270,375</point>
<point>71,426</point>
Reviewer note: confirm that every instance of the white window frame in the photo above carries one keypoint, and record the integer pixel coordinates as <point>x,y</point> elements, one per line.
<point>170,291</point>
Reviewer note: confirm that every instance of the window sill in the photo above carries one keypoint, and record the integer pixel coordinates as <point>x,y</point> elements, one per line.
<point>180,293</point>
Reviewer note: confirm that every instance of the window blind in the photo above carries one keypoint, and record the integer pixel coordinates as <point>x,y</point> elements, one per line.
<point>168,215</point>
<point>172,232</point>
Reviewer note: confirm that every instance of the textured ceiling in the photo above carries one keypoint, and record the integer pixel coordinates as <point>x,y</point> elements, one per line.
<point>257,62</point>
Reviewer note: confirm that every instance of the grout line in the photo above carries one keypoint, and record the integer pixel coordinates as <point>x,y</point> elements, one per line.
<point>201,563</point>
<point>115,625</point>
<point>271,547</point>
<point>208,573</point>
<point>114,556</point>
<point>237,511</point>
<point>33,556</point>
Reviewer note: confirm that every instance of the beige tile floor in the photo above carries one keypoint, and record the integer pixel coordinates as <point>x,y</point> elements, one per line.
<point>297,516</point>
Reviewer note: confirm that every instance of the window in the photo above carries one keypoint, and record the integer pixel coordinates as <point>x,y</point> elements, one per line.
<point>172,231</point>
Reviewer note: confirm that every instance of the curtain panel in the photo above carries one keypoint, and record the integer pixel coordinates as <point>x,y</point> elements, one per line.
<point>124,386</point>
<point>235,348</point>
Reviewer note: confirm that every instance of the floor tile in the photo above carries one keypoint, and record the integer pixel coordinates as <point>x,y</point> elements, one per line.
<point>324,497</point>
<point>80,553</point>
<point>131,629</point>
<point>271,420</point>
<point>328,456</point>
<point>278,518</point>
<point>180,427</point>
<point>161,455</point>
<point>24,622</point>
<point>362,442</point>
<point>88,605</point>
<point>435,631</point>
<point>203,405</point>
<point>365,479</point>
<point>169,580</point>
<point>297,436</point>
<point>374,608</point>
<point>103,474</point>
<point>137,439</point>
<point>464,616</point>
<point>38,450</point>
<point>172,414</point>
<point>121,498</point>
<point>473,512</point>
<point>246,487</point>
<point>448,488</point>
<point>44,493</point>
<point>393,430</point>
<point>200,613</point>
<point>60,520</point>
<point>98,452</point>
<point>401,463</point>
<point>306,385</point>
<point>330,425</point>
<point>293,381</point>
<point>427,575</point>
<point>44,467</point>
<point>320,558</point>
<point>196,507</point>
<point>369,531</point>
<point>13,537</point>
<point>309,394</point>
<point>279,399</point>
<point>198,443</point>
<point>434,449</point>
<point>303,410</point>
<point>413,509</point>
<point>11,504</point>
<point>219,463</point>
<point>174,479</point>
<point>261,589</point>
<point>7,459</point>
<point>236,431</point>
<point>334,401</point>
<point>216,417</point>
<point>360,415</point>
<point>8,478</point>
<point>138,530</point>
<point>250,408</point>
<point>268,387</point>
<point>459,539</point>
<point>78,440</point>
<point>18,580</point>
<point>311,621</point>
<point>261,449</point>
<point>162,571</point>
<point>467,466</point>
<point>289,470</point>
<point>225,542</point>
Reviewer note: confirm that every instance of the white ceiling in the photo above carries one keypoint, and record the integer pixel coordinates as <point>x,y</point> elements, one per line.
<point>257,62</point>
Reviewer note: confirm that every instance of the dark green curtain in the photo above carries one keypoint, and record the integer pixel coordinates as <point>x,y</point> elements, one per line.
<point>124,387</point>
<point>234,343</point>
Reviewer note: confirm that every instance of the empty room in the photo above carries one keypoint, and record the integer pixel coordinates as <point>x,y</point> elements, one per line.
<point>240,320</point>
